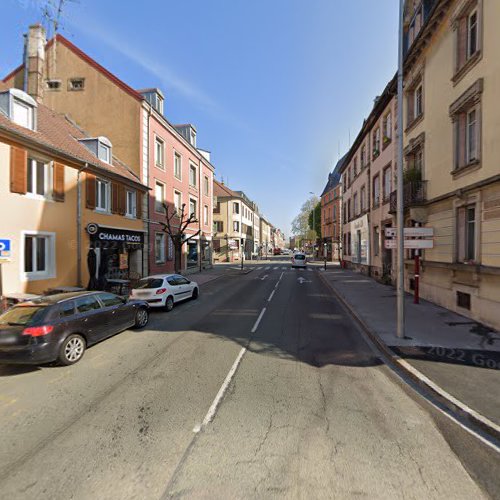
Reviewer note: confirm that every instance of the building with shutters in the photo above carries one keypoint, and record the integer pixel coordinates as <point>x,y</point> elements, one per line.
<point>452,150</point>
<point>164,156</point>
<point>71,209</point>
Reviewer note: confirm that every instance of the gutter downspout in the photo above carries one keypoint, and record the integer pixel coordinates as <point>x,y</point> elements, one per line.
<point>79,226</point>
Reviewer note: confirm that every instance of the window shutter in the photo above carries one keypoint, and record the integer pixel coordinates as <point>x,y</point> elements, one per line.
<point>139,204</point>
<point>58,188</point>
<point>462,134</point>
<point>18,170</point>
<point>90,189</point>
<point>115,200</point>
<point>461,42</point>
<point>122,199</point>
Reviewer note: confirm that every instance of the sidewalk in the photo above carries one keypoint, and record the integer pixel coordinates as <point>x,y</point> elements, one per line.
<point>437,351</point>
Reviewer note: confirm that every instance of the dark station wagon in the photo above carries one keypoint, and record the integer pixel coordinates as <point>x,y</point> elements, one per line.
<point>60,327</point>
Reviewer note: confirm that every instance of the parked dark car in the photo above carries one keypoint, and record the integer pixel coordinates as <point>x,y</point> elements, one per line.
<point>60,327</point>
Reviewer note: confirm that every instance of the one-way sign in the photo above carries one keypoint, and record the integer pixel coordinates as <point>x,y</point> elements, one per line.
<point>410,232</point>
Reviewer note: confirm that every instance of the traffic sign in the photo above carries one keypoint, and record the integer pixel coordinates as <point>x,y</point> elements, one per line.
<point>5,250</point>
<point>410,232</point>
<point>410,244</point>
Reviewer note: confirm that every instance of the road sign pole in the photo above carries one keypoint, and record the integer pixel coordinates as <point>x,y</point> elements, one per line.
<point>400,206</point>
<point>416,298</point>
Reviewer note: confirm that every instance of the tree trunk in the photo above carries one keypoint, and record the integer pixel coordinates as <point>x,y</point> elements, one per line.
<point>178,256</point>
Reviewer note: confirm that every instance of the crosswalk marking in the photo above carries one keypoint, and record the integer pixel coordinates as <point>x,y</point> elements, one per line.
<point>259,268</point>
<point>275,268</point>
<point>268,267</point>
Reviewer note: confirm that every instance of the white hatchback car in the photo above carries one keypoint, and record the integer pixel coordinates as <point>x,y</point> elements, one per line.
<point>165,290</point>
<point>299,259</point>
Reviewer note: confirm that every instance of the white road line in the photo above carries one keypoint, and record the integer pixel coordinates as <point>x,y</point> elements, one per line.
<point>258,268</point>
<point>254,329</point>
<point>271,296</point>
<point>275,268</point>
<point>281,276</point>
<point>268,267</point>
<point>215,404</point>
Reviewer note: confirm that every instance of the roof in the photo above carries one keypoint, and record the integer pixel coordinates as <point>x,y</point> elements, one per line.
<point>222,190</point>
<point>90,61</point>
<point>58,133</point>
<point>334,176</point>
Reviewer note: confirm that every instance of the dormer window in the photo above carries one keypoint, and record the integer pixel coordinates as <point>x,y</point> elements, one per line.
<point>19,107</point>
<point>104,152</point>
<point>192,137</point>
<point>100,147</point>
<point>154,97</point>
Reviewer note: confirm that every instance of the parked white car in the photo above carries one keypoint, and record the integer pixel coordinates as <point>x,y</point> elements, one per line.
<point>299,259</point>
<point>165,290</point>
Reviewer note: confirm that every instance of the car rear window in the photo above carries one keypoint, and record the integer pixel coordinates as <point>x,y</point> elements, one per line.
<point>149,283</point>
<point>22,315</point>
<point>300,257</point>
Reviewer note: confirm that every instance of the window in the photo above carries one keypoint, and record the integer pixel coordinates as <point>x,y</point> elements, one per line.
<point>376,240</point>
<point>160,248</point>
<point>472,34</point>
<point>344,212</point>
<point>66,309</point>
<point>376,191</point>
<point>362,198</point>
<point>363,156</point>
<point>23,114</point>
<point>471,137</point>
<point>217,208</point>
<point>87,303</point>
<point>415,101</point>
<point>376,142</point>
<point>354,169</point>
<point>39,178</point>
<point>131,208</point>
<point>177,165</point>
<point>192,175</point>
<point>53,84</point>
<point>39,255</point>
<point>349,209</point>
<point>109,299</point>
<point>419,101</point>
<point>206,186</point>
<point>104,152</point>
<point>463,300</point>
<point>76,84</point>
<point>218,226</point>
<point>205,215</point>
<point>192,137</point>
<point>192,207</point>
<point>356,211</point>
<point>466,232</point>
<point>159,197</point>
<point>387,128</point>
<point>386,183</point>
<point>170,254</point>
<point>178,202</point>
<point>236,226</point>
<point>159,153</point>
<point>236,208</point>
<point>103,189</point>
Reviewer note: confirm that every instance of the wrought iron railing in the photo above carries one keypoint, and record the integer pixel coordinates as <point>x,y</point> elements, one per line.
<point>414,194</point>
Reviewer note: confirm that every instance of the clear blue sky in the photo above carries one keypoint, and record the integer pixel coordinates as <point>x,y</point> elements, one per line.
<point>273,86</point>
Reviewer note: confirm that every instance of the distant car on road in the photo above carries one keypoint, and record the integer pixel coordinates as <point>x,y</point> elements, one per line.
<point>299,260</point>
<point>286,251</point>
<point>165,290</point>
<point>277,251</point>
<point>60,327</point>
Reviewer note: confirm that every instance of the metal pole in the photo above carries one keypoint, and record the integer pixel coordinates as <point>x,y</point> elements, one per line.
<point>400,203</point>
<point>416,295</point>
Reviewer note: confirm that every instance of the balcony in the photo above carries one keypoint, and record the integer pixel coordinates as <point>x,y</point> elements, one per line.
<point>414,194</point>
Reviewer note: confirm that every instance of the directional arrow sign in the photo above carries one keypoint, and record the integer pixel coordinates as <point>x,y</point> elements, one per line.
<point>414,244</point>
<point>410,232</point>
<point>303,280</point>
<point>264,277</point>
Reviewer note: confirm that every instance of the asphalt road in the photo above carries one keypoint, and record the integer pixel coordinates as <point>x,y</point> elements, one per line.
<point>309,410</point>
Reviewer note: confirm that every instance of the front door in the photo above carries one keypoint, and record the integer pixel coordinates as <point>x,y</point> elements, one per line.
<point>358,246</point>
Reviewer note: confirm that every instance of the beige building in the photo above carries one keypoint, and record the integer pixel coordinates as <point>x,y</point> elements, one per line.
<point>71,209</point>
<point>452,151</point>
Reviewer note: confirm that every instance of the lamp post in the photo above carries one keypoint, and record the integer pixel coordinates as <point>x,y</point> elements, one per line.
<point>314,224</point>
<point>227,247</point>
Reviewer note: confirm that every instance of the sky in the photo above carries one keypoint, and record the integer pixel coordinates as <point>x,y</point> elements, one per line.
<point>277,89</point>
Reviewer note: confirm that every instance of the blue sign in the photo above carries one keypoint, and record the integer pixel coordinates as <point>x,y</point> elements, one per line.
<point>5,249</point>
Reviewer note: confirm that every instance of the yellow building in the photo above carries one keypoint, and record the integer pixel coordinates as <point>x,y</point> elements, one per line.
<point>68,205</point>
<point>452,151</point>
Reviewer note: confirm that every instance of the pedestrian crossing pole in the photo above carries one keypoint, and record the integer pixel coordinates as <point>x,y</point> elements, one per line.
<point>400,202</point>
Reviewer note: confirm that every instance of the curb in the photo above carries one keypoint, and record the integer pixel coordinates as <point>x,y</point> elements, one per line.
<point>447,400</point>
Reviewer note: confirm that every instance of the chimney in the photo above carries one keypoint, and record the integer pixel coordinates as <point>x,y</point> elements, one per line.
<point>34,62</point>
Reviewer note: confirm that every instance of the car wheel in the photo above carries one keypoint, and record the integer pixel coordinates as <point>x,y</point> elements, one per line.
<point>194,295</point>
<point>71,350</point>
<point>141,317</point>
<point>169,303</point>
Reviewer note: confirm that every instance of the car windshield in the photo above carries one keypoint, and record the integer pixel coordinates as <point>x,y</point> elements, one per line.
<point>300,257</point>
<point>22,315</point>
<point>149,283</point>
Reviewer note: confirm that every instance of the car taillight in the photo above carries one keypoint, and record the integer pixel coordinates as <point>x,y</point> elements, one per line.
<point>160,291</point>
<point>38,331</point>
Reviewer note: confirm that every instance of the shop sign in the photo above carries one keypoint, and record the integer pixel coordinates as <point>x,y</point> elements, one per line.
<point>123,261</point>
<point>233,244</point>
<point>5,250</point>
<point>112,234</point>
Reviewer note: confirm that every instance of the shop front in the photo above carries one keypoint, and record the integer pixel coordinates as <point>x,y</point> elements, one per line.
<point>360,244</point>
<point>114,257</point>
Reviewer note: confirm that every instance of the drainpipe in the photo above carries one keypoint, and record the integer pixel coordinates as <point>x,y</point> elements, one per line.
<point>79,226</point>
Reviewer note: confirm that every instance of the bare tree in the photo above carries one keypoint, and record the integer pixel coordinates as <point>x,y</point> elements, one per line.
<point>175,226</point>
